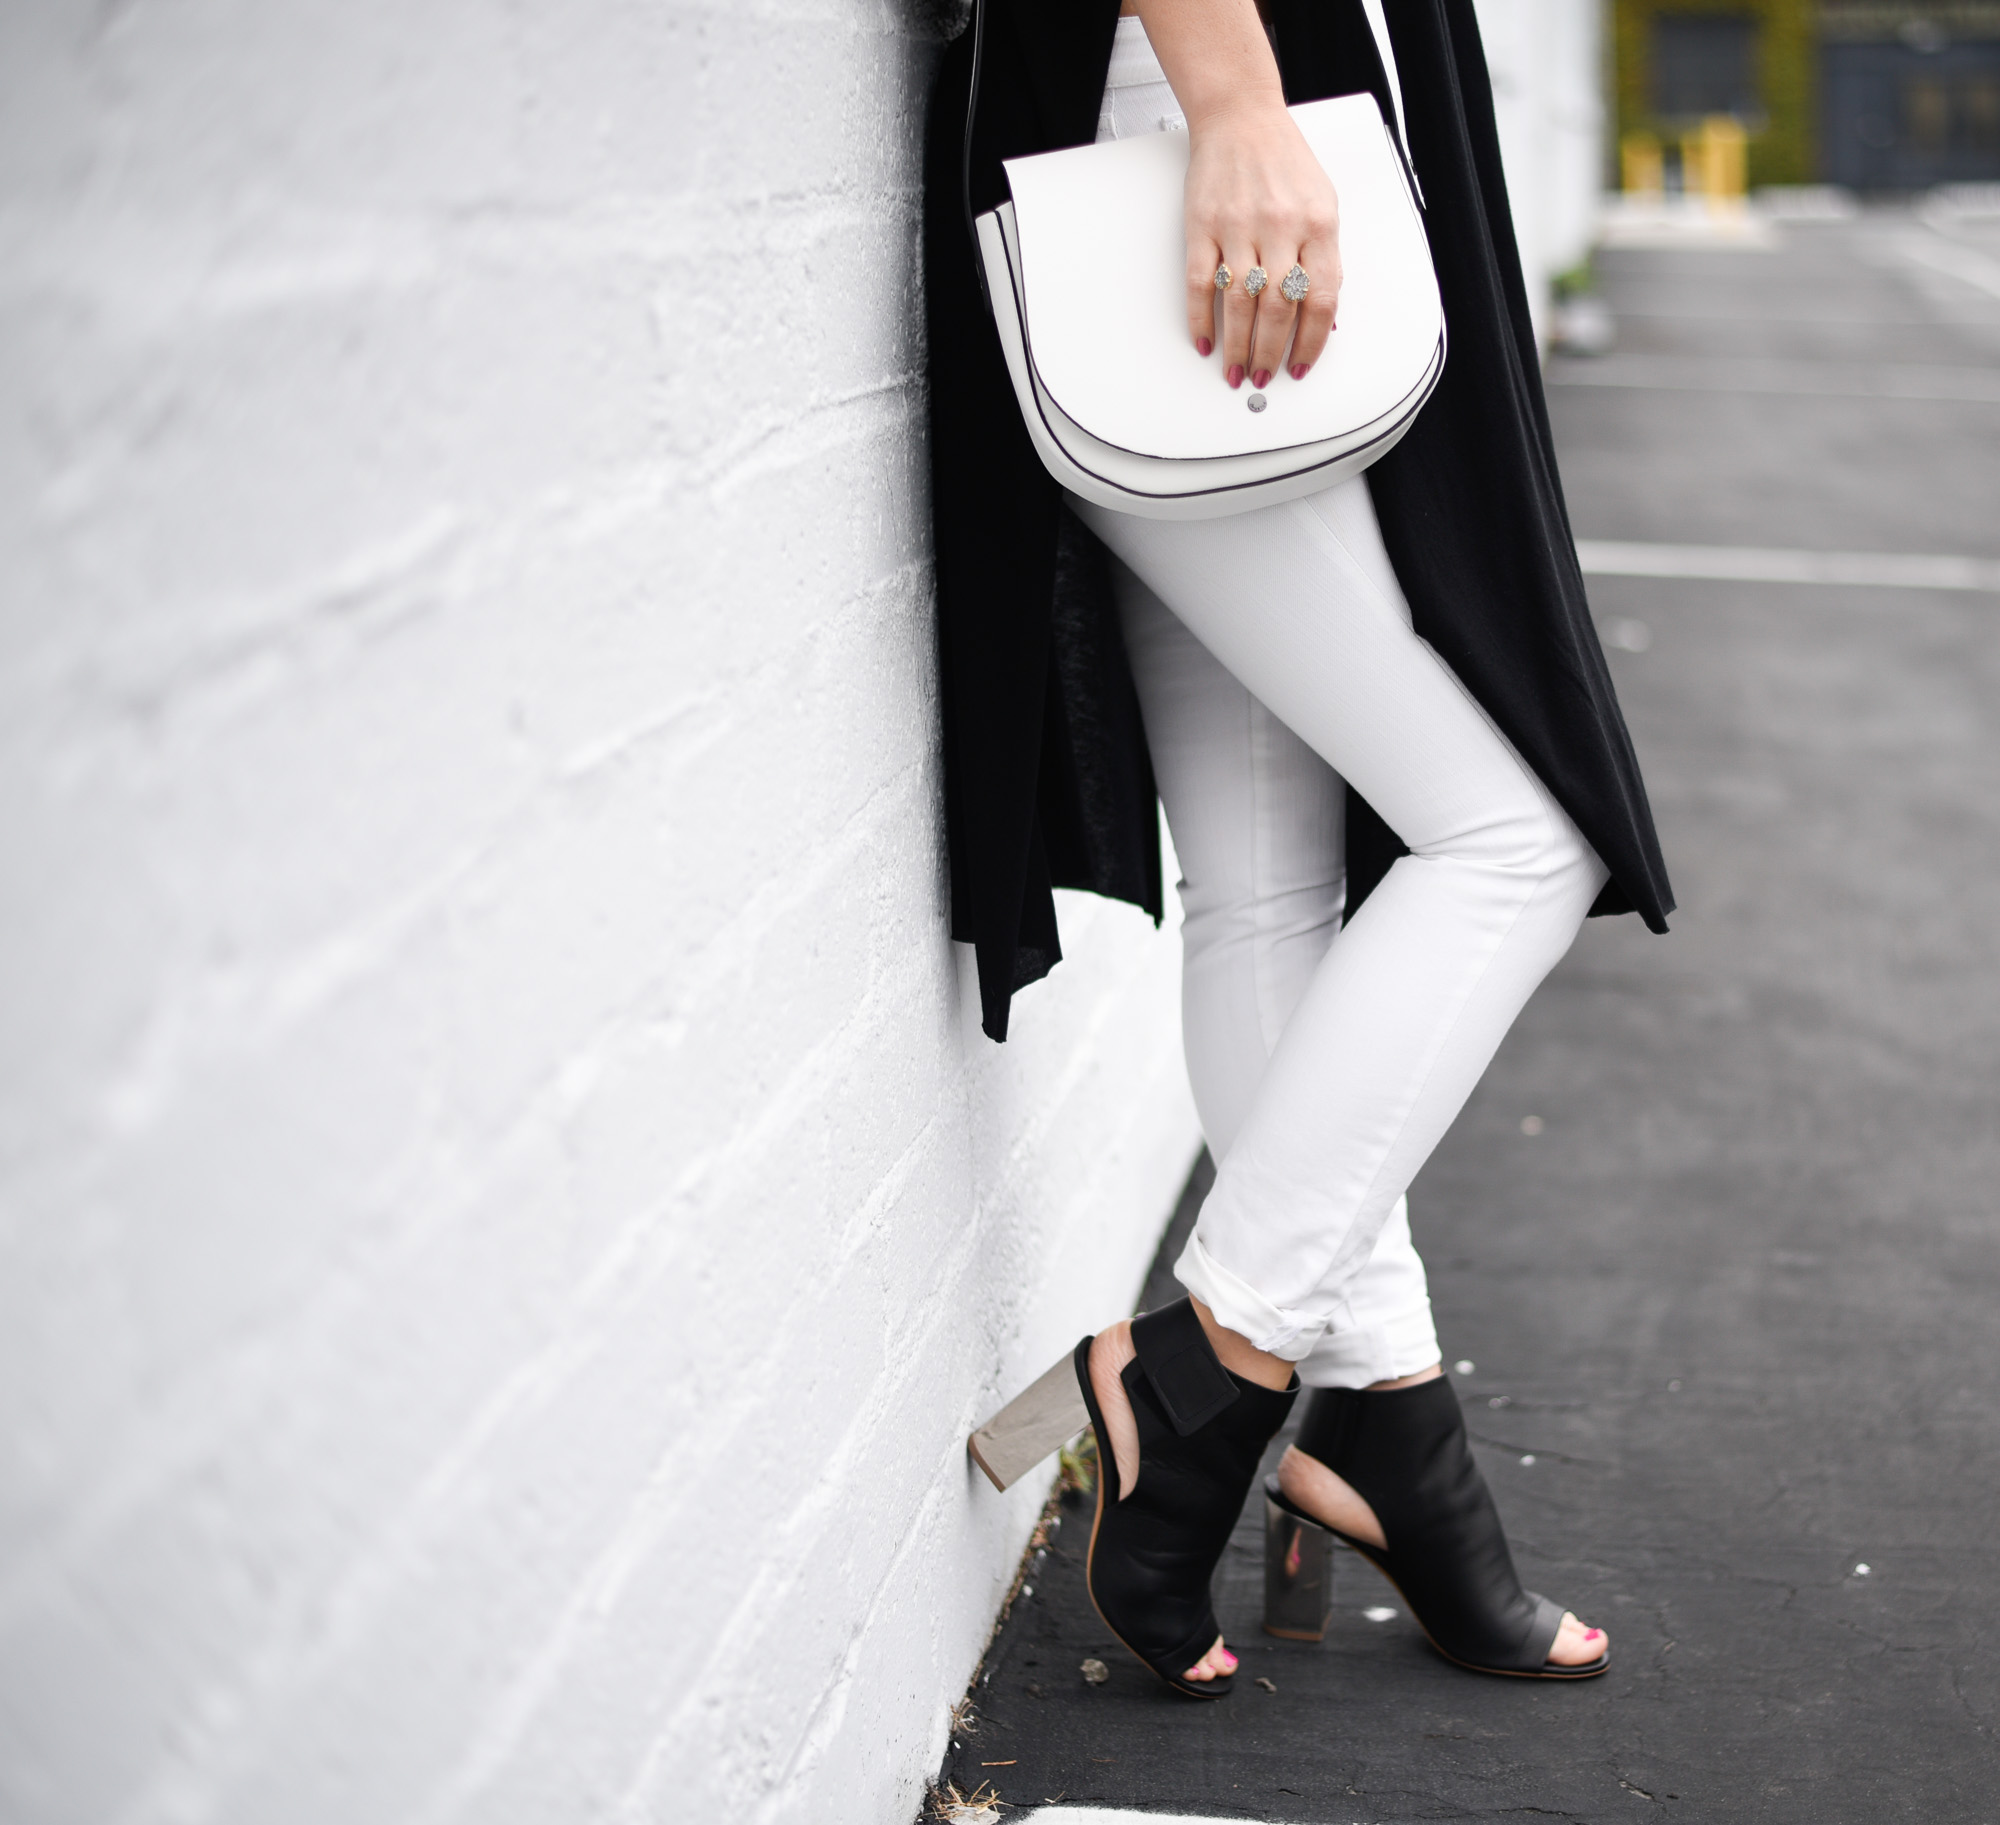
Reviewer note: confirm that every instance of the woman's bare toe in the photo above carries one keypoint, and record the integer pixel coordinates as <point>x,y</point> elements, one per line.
<point>1109,1353</point>
<point>1575,1645</point>
<point>1217,1663</point>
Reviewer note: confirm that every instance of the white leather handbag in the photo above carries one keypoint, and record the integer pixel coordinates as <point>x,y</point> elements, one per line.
<point>1085,272</point>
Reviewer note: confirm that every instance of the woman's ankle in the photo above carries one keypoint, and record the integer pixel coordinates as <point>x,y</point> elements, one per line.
<point>1405,1381</point>
<point>1240,1356</point>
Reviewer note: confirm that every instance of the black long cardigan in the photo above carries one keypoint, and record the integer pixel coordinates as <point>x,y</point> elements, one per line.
<point>1047,780</point>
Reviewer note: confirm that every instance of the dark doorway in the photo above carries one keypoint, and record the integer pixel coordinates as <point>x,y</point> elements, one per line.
<point>1704,63</point>
<point>1902,116</point>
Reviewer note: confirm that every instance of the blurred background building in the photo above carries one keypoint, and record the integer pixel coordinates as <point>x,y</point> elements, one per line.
<point>1869,94</point>
<point>1547,60</point>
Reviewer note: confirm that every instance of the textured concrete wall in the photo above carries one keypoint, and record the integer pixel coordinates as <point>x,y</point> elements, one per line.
<point>505,1213</point>
<point>1548,91</point>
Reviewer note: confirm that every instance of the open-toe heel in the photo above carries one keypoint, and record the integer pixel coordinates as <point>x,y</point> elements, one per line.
<point>1202,1432</point>
<point>1405,1453</point>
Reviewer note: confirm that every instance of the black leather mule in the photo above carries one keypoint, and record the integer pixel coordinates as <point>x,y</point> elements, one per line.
<point>1405,1453</point>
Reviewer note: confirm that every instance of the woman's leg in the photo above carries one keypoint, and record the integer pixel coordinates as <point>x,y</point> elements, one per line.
<point>1258,824</point>
<point>1411,999</point>
<point>1301,1254</point>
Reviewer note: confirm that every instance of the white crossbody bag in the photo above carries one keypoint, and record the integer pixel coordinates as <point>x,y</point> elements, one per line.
<point>1120,408</point>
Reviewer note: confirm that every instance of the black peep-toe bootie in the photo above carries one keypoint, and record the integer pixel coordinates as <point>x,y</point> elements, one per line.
<point>1405,1453</point>
<point>1202,1432</point>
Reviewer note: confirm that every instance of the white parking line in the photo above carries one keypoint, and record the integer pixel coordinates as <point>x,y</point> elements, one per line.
<point>1755,374</point>
<point>1757,564</point>
<point>1098,1815</point>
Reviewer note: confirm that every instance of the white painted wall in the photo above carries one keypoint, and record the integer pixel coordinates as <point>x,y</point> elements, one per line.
<point>1548,91</point>
<point>505,1213</point>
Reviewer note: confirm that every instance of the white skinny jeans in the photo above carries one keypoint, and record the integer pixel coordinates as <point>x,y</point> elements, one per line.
<point>1275,661</point>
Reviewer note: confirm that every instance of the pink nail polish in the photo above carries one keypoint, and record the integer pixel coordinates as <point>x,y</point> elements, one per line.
<point>1236,374</point>
<point>1203,347</point>
<point>1593,1634</point>
<point>1261,379</point>
<point>1300,370</point>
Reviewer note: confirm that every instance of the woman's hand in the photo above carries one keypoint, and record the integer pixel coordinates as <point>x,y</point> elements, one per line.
<point>1256,196</point>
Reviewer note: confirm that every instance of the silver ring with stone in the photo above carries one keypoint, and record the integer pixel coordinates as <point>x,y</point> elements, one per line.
<point>1223,276</point>
<point>1255,280</point>
<point>1295,285</point>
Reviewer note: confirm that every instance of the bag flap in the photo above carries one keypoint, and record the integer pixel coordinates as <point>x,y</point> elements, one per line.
<point>1102,258</point>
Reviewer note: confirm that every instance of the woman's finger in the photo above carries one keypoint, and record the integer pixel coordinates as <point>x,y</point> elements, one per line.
<point>1320,311</point>
<point>1276,315</point>
<point>1239,311</point>
<point>1203,258</point>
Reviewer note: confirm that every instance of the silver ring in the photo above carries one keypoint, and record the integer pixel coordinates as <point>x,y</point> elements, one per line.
<point>1295,285</point>
<point>1223,276</point>
<point>1255,280</point>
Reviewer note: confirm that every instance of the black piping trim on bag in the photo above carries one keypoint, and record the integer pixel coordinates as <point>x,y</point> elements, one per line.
<point>1390,433</point>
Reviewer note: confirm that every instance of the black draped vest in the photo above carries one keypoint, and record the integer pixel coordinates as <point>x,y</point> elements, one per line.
<point>1047,780</point>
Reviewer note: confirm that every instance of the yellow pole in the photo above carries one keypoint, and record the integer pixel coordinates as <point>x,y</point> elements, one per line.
<point>1718,152</point>
<point>1641,168</point>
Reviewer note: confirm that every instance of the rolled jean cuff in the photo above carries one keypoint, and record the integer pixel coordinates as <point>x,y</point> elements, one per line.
<point>1289,1336</point>
<point>1360,1356</point>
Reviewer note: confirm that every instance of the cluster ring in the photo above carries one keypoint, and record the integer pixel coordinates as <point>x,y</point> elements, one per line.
<point>1255,280</point>
<point>1223,278</point>
<point>1295,285</point>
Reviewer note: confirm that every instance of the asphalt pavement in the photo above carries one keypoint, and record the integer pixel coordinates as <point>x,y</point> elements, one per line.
<point>1718,1232</point>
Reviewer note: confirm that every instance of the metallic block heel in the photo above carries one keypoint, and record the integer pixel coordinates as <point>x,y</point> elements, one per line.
<point>1031,1426</point>
<point>1298,1571</point>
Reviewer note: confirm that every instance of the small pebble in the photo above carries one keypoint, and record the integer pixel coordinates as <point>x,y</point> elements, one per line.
<point>1500,1400</point>
<point>1379,1614</point>
<point>1529,1458</point>
<point>1463,1366</point>
<point>1027,1591</point>
<point>1861,1571</point>
<point>1266,1684</point>
<point>1531,1124</point>
<point>1095,1672</point>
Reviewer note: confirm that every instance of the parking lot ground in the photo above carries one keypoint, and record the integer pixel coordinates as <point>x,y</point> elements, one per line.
<point>1720,1231</point>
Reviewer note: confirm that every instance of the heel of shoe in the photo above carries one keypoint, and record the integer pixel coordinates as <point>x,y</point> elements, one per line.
<point>1030,1427</point>
<point>1298,1571</point>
